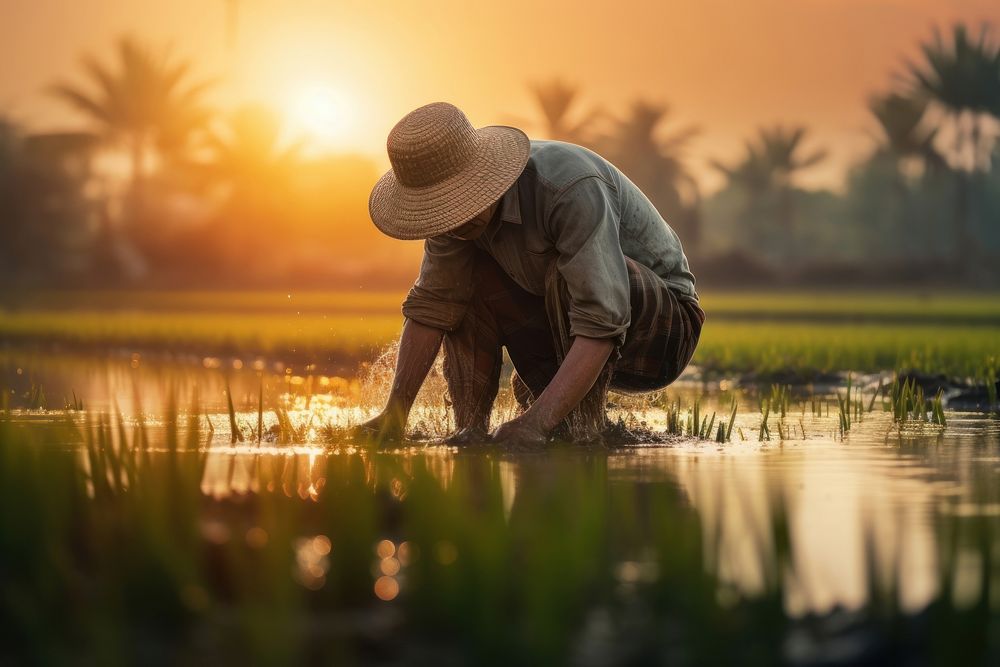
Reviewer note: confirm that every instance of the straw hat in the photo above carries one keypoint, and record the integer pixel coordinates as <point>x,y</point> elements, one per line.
<point>444,172</point>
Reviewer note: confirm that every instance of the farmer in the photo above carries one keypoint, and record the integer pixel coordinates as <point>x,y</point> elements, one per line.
<point>542,247</point>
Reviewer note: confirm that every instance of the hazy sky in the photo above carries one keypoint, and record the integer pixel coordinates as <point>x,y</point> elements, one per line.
<point>349,70</point>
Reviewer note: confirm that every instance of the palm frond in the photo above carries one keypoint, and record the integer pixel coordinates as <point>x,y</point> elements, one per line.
<point>81,101</point>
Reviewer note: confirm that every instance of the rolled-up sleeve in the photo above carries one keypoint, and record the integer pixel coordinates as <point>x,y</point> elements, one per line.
<point>442,292</point>
<point>584,224</point>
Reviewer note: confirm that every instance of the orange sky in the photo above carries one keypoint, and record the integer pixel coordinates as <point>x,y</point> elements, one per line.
<point>728,66</point>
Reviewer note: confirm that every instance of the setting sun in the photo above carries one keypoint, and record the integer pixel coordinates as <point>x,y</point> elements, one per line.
<point>322,113</point>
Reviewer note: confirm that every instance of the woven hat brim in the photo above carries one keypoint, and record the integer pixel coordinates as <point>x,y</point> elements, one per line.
<point>418,213</point>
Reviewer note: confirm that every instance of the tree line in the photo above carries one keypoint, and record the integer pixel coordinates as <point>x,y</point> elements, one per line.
<point>203,197</point>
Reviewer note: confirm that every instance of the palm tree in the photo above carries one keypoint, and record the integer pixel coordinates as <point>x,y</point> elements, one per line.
<point>754,172</point>
<point>773,159</point>
<point>144,101</point>
<point>655,162</point>
<point>767,172</point>
<point>783,148</point>
<point>962,76</point>
<point>556,101</point>
<point>885,187</point>
<point>902,133</point>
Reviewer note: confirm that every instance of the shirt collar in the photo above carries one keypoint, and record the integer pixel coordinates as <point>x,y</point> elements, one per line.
<point>509,210</point>
<point>510,206</point>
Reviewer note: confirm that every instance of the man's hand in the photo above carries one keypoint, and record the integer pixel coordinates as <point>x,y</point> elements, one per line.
<point>418,346</point>
<point>520,432</point>
<point>383,429</point>
<point>575,377</point>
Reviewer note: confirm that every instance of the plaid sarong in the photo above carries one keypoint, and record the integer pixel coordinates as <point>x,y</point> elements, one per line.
<point>659,343</point>
<point>661,337</point>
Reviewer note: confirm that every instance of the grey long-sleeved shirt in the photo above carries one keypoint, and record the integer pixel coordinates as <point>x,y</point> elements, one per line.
<point>572,206</point>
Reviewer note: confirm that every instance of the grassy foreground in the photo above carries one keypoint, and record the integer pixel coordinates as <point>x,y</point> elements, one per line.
<point>803,334</point>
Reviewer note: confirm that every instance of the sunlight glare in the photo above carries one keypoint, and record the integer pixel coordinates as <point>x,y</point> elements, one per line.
<point>322,113</point>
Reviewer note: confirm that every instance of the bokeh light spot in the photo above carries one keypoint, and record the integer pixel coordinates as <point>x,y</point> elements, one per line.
<point>386,588</point>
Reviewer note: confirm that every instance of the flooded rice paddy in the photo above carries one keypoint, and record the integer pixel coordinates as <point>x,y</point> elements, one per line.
<point>805,542</point>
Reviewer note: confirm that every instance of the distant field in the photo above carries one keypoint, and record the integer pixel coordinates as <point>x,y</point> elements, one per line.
<point>777,346</point>
<point>745,332</point>
<point>360,301</point>
<point>944,307</point>
<point>930,306</point>
<point>263,333</point>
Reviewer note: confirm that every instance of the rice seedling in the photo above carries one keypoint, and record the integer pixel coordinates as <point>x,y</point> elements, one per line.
<point>720,433</point>
<point>990,374</point>
<point>35,397</point>
<point>693,424</point>
<point>260,410</point>
<point>845,408</point>
<point>283,432</point>
<point>706,429</point>
<point>815,406</point>
<point>75,406</point>
<point>780,398</point>
<point>287,432</point>
<point>903,397</point>
<point>725,430</point>
<point>908,403</point>
<point>878,390</point>
<point>732,419</point>
<point>765,409</point>
<point>696,424</point>
<point>673,417</point>
<point>844,415</point>
<point>236,433</point>
<point>937,410</point>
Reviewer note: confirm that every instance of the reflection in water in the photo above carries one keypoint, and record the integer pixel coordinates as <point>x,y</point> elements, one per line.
<point>835,498</point>
<point>312,558</point>
<point>294,471</point>
<point>875,486</point>
<point>390,560</point>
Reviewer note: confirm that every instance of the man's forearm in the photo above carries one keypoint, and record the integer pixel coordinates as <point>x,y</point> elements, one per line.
<point>418,347</point>
<point>576,375</point>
